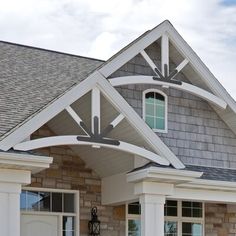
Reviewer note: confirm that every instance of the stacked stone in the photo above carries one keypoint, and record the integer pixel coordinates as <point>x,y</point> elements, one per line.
<point>68,171</point>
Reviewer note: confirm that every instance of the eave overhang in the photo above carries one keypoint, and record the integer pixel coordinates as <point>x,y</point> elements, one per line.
<point>163,175</point>
<point>26,161</point>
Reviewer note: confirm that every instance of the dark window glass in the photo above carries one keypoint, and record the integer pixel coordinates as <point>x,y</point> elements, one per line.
<point>44,203</point>
<point>33,200</point>
<point>170,228</point>
<point>68,223</point>
<point>191,209</point>
<point>134,227</point>
<point>191,229</point>
<point>171,208</point>
<point>134,208</point>
<point>69,205</point>
<point>56,202</point>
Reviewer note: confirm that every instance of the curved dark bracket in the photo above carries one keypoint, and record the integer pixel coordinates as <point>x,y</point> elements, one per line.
<point>97,137</point>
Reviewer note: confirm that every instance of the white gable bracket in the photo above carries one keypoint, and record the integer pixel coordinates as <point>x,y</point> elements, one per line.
<point>73,140</point>
<point>140,79</point>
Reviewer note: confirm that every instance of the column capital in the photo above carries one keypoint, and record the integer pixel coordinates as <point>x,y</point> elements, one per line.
<point>152,199</point>
<point>153,188</point>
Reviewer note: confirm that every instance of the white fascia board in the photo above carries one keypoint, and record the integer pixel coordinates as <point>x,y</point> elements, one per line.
<point>204,195</point>
<point>210,184</point>
<point>163,175</point>
<point>24,161</point>
<point>137,122</point>
<point>58,105</point>
<point>133,50</point>
<point>144,79</point>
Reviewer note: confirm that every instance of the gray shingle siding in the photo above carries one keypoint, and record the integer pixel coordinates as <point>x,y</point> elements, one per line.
<point>196,134</point>
<point>30,78</point>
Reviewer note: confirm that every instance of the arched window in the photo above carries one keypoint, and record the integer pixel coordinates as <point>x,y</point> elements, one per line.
<point>155,109</point>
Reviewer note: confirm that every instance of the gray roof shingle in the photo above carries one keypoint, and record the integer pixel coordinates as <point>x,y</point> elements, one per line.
<point>209,173</point>
<point>30,78</point>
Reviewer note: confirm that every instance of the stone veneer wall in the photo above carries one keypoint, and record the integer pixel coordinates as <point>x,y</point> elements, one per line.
<point>68,171</point>
<point>220,219</point>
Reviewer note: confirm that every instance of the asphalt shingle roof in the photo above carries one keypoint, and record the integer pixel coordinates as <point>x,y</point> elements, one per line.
<point>30,78</point>
<point>209,173</point>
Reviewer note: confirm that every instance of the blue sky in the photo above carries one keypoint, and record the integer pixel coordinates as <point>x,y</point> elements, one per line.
<point>100,28</point>
<point>229,2</point>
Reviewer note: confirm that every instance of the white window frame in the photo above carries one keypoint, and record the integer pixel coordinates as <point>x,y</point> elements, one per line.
<point>166,108</point>
<point>179,219</point>
<point>59,214</point>
<point>130,217</point>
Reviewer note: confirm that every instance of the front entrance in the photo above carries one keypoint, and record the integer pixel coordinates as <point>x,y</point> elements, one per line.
<point>38,225</point>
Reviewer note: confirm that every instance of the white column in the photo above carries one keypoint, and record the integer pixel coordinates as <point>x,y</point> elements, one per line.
<point>10,189</point>
<point>152,214</point>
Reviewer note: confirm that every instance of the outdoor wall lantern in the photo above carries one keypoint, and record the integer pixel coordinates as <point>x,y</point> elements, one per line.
<point>94,223</point>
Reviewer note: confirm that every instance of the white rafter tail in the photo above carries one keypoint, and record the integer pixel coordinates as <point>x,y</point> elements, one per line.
<point>117,120</point>
<point>95,108</point>
<point>199,92</point>
<point>75,117</point>
<point>164,53</point>
<point>182,65</point>
<point>149,61</point>
<point>72,140</point>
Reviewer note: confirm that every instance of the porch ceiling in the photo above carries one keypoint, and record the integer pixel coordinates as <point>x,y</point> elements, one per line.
<point>103,161</point>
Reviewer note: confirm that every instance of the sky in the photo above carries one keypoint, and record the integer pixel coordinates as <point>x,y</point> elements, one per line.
<point>99,28</point>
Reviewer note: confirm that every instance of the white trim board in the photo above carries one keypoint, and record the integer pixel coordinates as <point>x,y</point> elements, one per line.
<point>142,79</point>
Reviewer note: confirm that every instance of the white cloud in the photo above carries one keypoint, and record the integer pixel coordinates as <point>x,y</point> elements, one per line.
<point>101,28</point>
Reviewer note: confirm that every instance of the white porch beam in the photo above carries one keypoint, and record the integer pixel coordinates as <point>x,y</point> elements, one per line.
<point>140,79</point>
<point>164,54</point>
<point>75,117</point>
<point>95,106</point>
<point>72,140</point>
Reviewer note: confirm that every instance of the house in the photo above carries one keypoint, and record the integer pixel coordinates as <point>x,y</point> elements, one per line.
<point>148,137</point>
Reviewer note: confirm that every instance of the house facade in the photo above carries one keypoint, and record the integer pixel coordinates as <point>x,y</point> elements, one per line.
<point>147,137</point>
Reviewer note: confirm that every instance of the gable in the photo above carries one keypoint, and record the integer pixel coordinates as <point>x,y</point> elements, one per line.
<point>174,52</point>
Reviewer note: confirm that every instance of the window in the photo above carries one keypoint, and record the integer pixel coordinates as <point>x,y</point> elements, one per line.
<point>182,218</point>
<point>61,204</point>
<point>155,110</point>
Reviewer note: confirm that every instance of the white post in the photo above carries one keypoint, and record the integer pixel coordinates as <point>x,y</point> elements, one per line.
<point>164,54</point>
<point>10,189</point>
<point>152,197</point>
<point>95,107</point>
<point>152,214</point>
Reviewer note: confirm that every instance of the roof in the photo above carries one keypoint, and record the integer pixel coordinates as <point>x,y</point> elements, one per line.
<point>209,173</point>
<point>30,78</point>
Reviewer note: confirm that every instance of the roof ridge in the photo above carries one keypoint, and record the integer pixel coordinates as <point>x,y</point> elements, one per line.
<point>50,50</point>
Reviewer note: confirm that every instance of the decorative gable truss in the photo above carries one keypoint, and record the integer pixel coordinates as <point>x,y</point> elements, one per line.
<point>163,76</point>
<point>99,82</point>
<point>95,137</point>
